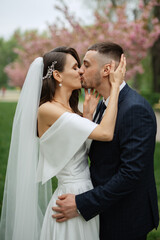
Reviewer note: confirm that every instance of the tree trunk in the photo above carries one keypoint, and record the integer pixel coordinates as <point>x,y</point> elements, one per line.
<point>114,3</point>
<point>155,52</point>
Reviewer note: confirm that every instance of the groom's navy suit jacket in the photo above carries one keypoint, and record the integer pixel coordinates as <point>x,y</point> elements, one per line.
<point>122,172</point>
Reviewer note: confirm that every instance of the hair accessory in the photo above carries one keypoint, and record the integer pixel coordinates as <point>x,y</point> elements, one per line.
<point>50,70</point>
<point>60,84</point>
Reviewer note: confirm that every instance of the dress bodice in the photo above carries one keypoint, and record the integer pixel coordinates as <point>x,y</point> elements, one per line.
<point>63,149</point>
<point>63,153</point>
<point>76,169</point>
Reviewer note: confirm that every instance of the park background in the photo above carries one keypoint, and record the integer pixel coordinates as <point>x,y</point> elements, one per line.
<point>30,29</point>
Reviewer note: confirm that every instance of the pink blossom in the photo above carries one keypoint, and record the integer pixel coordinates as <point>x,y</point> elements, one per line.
<point>134,36</point>
<point>141,4</point>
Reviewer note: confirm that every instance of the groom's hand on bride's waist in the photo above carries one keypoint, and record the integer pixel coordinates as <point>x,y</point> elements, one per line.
<point>66,208</point>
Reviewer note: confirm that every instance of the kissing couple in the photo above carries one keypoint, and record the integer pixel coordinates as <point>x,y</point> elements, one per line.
<point>114,199</point>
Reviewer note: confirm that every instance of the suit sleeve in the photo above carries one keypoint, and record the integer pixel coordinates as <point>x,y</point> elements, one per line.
<point>137,139</point>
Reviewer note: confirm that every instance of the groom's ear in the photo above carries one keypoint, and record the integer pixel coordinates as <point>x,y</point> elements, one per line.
<point>106,69</point>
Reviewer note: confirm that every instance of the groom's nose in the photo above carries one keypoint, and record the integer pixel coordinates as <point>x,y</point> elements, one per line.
<point>81,71</point>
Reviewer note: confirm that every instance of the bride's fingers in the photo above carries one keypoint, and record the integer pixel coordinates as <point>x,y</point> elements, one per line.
<point>121,61</point>
<point>99,96</point>
<point>124,68</point>
<point>112,66</point>
<point>86,91</point>
<point>87,95</point>
<point>95,93</point>
<point>91,91</point>
<point>120,66</point>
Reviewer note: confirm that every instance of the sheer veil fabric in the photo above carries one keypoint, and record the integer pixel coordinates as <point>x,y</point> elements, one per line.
<point>22,211</point>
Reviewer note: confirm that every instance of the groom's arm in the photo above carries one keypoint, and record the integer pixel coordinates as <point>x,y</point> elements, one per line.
<point>137,139</point>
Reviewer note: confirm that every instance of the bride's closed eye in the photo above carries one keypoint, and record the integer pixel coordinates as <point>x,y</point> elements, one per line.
<point>75,67</point>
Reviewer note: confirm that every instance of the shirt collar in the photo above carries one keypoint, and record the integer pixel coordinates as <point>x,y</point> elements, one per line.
<point>120,87</point>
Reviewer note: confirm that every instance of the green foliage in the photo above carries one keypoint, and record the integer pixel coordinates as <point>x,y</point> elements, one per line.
<point>6,56</point>
<point>144,82</point>
<point>6,118</point>
<point>151,97</point>
<point>54,183</point>
<point>146,79</point>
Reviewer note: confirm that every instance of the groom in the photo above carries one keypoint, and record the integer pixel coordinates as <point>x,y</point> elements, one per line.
<point>122,171</point>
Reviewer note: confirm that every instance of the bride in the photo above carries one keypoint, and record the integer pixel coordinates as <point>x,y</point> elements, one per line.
<point>49,139</point>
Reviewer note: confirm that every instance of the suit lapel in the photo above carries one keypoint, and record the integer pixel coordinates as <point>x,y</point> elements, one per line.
<point>123,92</point>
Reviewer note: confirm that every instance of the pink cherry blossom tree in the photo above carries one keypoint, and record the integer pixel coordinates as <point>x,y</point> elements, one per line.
<point>111,24</point>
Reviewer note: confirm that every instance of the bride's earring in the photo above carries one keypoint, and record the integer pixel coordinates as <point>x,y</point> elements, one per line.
<point>60,84</point>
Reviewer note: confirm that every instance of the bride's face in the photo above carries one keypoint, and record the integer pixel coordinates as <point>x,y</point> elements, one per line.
<point>71,78</point>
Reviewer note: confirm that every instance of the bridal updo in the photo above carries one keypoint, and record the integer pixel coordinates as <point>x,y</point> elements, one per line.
<point>58,55</point>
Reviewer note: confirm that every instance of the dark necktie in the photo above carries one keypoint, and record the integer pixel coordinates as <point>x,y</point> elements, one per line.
<point>101,111</point>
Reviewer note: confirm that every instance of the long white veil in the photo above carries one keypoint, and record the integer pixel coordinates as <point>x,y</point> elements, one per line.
<point>24,200</point>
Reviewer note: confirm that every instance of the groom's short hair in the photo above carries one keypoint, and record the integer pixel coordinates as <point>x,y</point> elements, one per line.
<point>109,49</point>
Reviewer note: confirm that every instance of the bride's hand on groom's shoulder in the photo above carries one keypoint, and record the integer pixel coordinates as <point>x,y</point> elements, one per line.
<point>90,103</point>
<point>66,208</point>
<point>117,75</point>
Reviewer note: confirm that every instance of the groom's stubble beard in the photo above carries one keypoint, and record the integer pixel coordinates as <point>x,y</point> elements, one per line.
<point>92,82</point>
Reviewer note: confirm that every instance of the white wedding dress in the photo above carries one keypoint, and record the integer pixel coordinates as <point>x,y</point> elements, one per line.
<point>63,153</point>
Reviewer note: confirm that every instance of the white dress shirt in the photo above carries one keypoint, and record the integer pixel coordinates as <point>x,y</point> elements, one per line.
<point>107,100</point>
<point>121,87</point>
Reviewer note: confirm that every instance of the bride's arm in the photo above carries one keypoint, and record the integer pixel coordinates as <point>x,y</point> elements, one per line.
<point>105,130</point>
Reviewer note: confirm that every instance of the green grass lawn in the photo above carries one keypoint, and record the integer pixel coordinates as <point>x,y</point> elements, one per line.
<point>6,117</point>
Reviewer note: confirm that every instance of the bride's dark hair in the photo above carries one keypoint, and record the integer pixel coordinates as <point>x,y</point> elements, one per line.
<point>49,84</point>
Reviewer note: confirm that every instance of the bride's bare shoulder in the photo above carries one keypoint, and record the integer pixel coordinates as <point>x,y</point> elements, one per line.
<point>45,107</point>
<point>49,112</point>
